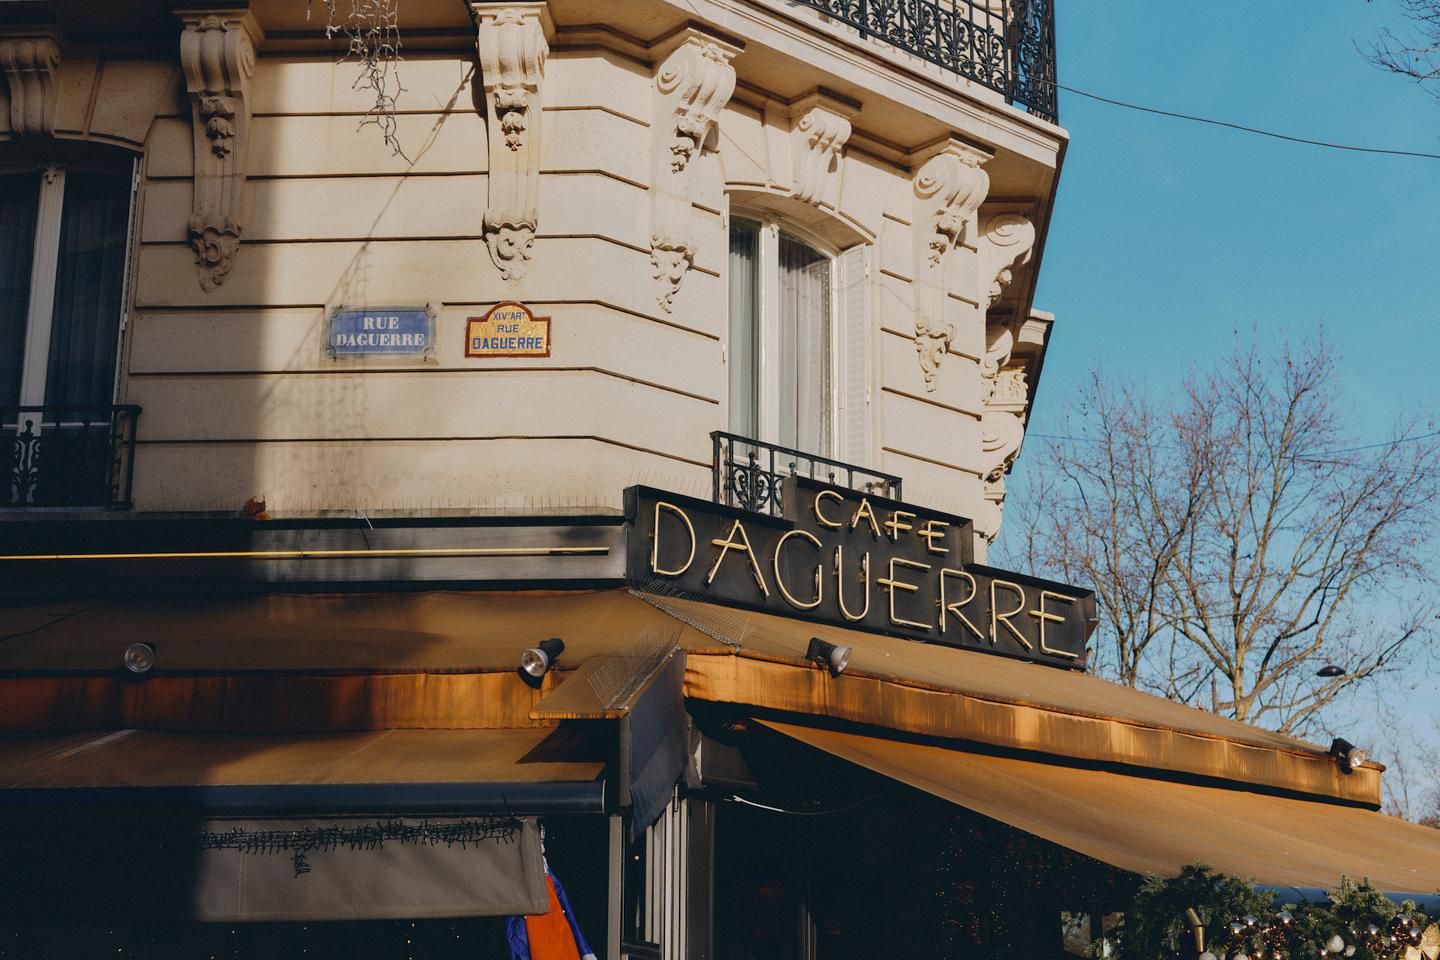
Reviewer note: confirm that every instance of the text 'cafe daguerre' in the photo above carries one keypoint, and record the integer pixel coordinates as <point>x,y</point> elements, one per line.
<point>692,730</point>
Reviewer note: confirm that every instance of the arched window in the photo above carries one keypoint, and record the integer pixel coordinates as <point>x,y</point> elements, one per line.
<point>797,347</point>
<point>64,252</point>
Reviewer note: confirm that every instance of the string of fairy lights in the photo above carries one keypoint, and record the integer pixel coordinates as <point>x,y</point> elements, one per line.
<point>1281,938</point>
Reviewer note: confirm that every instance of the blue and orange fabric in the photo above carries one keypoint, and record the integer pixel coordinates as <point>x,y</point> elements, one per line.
<point>553,935</point>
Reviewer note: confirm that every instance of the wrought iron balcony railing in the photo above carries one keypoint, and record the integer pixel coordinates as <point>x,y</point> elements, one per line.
<point>748,473</point>
<point>1006,45</point>
<point>67,456</point>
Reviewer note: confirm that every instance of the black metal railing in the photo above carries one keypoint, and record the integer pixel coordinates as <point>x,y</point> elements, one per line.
<point>749,474</point>
<point>1006,45</point>
<point>67,456</point>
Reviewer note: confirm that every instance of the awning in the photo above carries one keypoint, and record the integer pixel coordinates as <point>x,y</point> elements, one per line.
<point>399,772</point>
<point>964,694</point>
<point>397,824</point>
<point>1158,826</point>
<point>446,660</point>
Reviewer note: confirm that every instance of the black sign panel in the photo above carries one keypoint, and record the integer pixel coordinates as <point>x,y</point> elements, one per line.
<point>853,560</point>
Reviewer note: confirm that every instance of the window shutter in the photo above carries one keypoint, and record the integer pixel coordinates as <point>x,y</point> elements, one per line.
<point>854,367</point>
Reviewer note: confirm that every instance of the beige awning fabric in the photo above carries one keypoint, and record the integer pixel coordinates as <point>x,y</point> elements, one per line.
<point>209,768</point>
<point>293,870</point>
<point>424,632</point>
<point>111,868</point>
<point>446,660</point>
<point>1158,826</point>
<point>965,694</point>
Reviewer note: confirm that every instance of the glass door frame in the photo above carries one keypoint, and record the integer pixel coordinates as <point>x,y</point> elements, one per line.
<point>44,269</point>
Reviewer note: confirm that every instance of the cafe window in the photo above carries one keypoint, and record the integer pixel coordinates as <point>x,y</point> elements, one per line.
<point>64,246</point>
<point>797,351</point>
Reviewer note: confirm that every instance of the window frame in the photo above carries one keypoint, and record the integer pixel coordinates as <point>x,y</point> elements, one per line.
<point>45,265</point>
<point>768,372</point>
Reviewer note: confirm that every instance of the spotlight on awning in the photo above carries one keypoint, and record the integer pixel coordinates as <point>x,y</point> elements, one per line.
<point>537,661</point>
<point>139,658</point>
<point>1330,670</point>
<point>831,656</point>
<point>1349,756</point>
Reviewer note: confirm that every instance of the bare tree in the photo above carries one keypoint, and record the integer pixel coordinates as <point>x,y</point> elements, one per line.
<point>1417,56</point>
<point>1411,789</point>
<point>1247,555</point>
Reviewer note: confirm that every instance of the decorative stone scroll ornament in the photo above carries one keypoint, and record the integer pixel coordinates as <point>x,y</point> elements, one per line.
<point>818,137</point>
<point>693,83</point>
<point>1004,372</point>
<point>948,190</point>
<point>1007,242</point>
<point>511,41</point>
<point>31,64</point>
<point>217,53</point>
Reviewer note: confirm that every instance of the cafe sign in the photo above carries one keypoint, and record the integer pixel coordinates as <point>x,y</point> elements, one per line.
<point>854,560</point>
<point>507,330</point>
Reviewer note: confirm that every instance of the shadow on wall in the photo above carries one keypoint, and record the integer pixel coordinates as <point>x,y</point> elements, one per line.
<point>325,423</point>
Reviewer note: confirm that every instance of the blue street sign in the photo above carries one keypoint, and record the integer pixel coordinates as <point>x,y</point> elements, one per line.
<point>392,331</point>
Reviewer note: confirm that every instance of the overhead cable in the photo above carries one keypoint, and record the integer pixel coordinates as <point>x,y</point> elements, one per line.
<point>1247,129</point>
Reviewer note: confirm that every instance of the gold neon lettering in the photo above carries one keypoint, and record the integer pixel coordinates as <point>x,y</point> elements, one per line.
<point>997,618</point>
<point>819,514</point>
<point>655,541</point>
<point>892,586</point>
<point>780,578</point>
<point>840,584</point>
<point>730,543</point>
<point>1043,616</point>
<point>956,608</point>
<point>930,535</point>
<point>868,512</point>
<point>895,525</point>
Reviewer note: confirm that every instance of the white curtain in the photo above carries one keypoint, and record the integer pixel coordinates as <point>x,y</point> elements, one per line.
<point>805,347</point>
<point>743,355</point>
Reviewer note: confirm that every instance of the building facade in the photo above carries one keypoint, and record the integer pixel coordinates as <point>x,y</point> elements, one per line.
<point>570,452</point>
<point>749,218</point>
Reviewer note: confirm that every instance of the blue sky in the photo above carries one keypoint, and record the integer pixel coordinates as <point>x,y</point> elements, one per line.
<point>1169,235</point>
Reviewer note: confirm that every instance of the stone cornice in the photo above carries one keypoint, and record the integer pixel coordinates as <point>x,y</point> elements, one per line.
<point>30,58</point>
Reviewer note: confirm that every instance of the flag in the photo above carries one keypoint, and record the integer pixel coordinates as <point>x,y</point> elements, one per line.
<point>553,935</point>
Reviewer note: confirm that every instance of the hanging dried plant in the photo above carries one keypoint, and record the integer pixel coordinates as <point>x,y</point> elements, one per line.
<point>372,30</point>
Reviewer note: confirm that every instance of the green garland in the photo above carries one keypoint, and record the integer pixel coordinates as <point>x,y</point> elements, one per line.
<point>1241,923</point>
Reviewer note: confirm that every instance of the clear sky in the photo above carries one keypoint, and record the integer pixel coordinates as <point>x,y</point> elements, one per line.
<point>1168,235</point>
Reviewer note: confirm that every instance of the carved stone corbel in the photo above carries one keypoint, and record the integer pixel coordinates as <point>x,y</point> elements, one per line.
<point>1007,241</point>
<point>511,41</point>
<point>217,53</point>
<point>818,136</point>
<point>31,63</point>
<point>693,83</point>
<point>1012,347</point>
<point>948,190</point>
